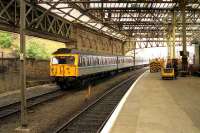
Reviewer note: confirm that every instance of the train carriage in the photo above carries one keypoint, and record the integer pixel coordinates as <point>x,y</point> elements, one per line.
<point>96,64</point>
<point>67,66</point>
<point>125,62</point>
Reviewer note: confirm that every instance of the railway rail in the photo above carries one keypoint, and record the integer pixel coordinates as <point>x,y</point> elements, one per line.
<point>94,116</point>
<point>8,110</point>
<point>14,108</point>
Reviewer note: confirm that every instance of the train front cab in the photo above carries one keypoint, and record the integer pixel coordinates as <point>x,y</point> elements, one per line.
<point>63,68</point>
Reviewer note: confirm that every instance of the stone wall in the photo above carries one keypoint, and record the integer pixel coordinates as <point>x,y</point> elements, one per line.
<point>90,41</point>
<point>36,70</point>
<point>129,45</point>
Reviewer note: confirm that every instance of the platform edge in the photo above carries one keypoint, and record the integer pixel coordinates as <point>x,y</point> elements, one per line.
<point>109,124</point>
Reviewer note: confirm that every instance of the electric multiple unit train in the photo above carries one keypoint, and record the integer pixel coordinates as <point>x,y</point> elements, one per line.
<point>67,66</point>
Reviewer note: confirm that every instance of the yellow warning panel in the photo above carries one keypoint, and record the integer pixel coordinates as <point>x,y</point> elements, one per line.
<point>59,70</point>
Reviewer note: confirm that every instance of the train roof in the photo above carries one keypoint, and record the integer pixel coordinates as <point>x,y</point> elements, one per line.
<point>71,51</point>
<point>63,51</point>
<point>74,51</point>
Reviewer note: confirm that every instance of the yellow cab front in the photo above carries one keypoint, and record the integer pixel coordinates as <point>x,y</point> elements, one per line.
<point>64,65</point>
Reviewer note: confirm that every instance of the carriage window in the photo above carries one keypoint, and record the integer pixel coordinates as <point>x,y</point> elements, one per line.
<point>63,60</point>
<point>99,61</point>
<point>94,61</point>
<point>88,61</point>
<point>84,62</point>
<point>80,62</point>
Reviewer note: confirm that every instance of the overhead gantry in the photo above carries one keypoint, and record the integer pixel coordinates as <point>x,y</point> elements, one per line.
<point>142,20</point>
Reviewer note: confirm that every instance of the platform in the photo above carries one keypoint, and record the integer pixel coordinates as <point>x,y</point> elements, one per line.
<point>153,105</point>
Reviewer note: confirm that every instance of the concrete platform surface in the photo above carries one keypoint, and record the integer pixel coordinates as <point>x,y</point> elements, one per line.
<point>14,96</point>
<point>159,106</point>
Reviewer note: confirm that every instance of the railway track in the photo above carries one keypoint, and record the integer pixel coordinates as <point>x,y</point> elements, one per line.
<point>94,116</point>
<point>11,109</point>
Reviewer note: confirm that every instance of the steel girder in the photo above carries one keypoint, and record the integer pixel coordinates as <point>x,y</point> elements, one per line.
<point>136,18</point>
<point>131,18</point>
<point>153,43</point>
<point>39,22</point>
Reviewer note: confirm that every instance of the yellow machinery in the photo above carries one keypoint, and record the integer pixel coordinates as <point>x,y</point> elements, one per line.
<point>167,73</point>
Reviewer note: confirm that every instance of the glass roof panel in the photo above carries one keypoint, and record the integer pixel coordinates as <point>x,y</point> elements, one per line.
<point>75,13</point>
<point>84,18</point>
<point>66,10</point>
<point>93,24</point>
<point>104,28</point>
<point>98,25</point>
<point>69,18</point>
<point>62,5</point>
<point>45,6</point>
<point>56,11</point>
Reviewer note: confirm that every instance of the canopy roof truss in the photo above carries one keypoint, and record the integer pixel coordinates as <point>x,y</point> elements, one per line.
<point>150,19</point>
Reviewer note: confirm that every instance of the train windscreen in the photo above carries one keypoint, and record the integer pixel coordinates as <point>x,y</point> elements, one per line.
<point>63,60</point>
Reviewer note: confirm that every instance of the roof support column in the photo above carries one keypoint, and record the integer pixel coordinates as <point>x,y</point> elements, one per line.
<point>184,56</point>
<point>134,54</point>
<point>197,54</point>
<point>169,48</point>
<point>172,47</point>
<point>112,48</point>
<point>174,34</point>
<point>123,48</point>
<point>24,122</point>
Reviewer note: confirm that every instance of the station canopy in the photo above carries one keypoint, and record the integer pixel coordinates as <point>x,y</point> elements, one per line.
<point>143,20</point>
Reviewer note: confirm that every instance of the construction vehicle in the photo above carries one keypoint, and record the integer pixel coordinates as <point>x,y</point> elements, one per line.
<point>167,73</point>
<point>171,69</point>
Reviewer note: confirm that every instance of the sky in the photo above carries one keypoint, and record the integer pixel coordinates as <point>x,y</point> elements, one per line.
<point>160,52</point>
